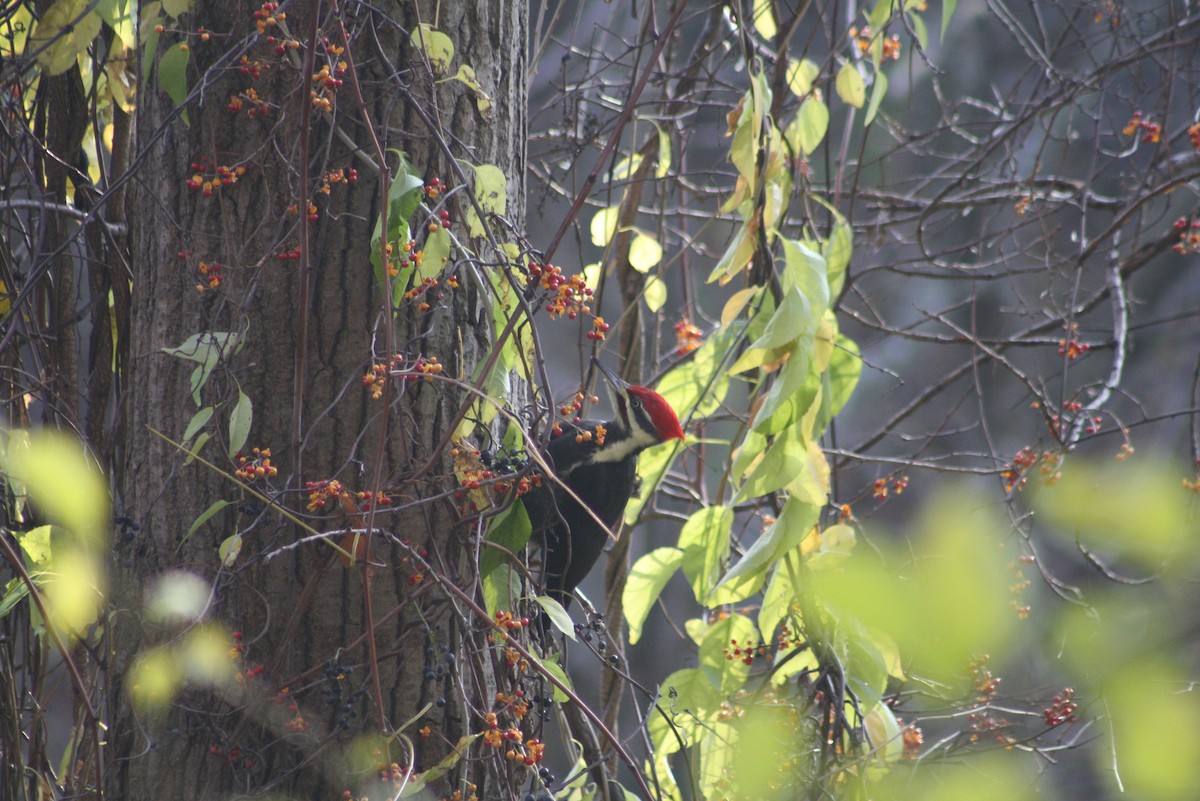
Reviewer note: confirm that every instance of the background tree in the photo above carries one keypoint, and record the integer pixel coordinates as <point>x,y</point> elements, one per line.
<point>863,250</point>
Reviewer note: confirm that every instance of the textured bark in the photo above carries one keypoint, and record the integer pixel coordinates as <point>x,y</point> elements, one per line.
<point>300,612</point>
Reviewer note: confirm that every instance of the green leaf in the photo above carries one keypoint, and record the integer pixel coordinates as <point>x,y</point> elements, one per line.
<point>786,457</point>
<point>645,583</point>
<point>556,670</point>
<point>510,529</point>
<point>436,46</point>
<point>437,253</point>
<point>175,8</point>
<point>197,447</point>
<point>793,525</point>
<point>845,367</point>
<point>239,423</point>
<point>790,396</point>
<point>881,13</point>
<point>850,86</point>
<point>558,615</point>
<point>807,130</point>
<point>801,75</point>
<point>172,73</point>
<point>207,346</point>
<point>736,256</point>
<point>644,252</point>
<point>877,93</point>
<point>197,422</point>
<point>15,591</point>
<point>948,7</point>
<point>837,250</point>
<point>61,35</point>
<point>807,271</point>
<point>203,518</point>
<point>664,152</point>
<point>229,549</point>
<point>654,293</point>
<point>837,544</point>
<point>704,540</point>
<point>793,318</point>
<point>604,225</point>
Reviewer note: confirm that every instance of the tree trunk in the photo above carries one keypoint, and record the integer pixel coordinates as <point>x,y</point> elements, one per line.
<point>293,720</point>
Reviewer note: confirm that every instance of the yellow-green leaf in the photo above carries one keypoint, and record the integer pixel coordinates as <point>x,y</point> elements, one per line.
<point>229,549</point>
<point>646,580</point>
<point>491,193</point>
<point>704,540</point>
<point>64,483</point>
<point>850,86</point>
<point>466,76</point>
<point>764,19</point>
<point>801,75</point>
<point>436,46</point>
<point>172,73</point>
<point>61,35</point>
<point>877,93</point>
<point>604,225</point>
<point>654,293</point>
<point>239,423</point>
<point>644,252</point>
<point>808,129</point>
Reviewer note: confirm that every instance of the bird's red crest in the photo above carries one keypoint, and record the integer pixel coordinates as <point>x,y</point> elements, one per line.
<point>666,422</point>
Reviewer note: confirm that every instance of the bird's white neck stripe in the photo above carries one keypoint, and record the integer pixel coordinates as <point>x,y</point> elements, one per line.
<point>619,450</point>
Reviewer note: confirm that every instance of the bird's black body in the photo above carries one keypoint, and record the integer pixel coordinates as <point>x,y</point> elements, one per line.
<point>597,461</point>
<point>572,540</point>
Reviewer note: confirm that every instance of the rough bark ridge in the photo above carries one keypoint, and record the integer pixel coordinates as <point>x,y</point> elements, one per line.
<point>300,614</point>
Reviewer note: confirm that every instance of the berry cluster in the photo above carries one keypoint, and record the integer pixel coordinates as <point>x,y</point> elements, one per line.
<point>268,16</point>
<point>880,489</point>
<point>588,435</point>
<point>1015,474</point>
<point>210,276</point>
<point>687,337</point>
<point>1072,348</point>
<point>1188,230</point>
<point>208,178</point>
<point>423,368</point>
<point>863,39</point>
<point>1062,709</point>
<point>913,738</point>
<point>256,465</point>
<point>326,81</point>
<point>250,102</point>
<point>745,652</point>
<point>338,176</point>
<point>320,493</point>
<point>1151,131</point>
<point>571,295</point>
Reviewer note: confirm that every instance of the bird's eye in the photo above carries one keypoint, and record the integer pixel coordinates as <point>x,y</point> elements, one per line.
<point>635,402</point>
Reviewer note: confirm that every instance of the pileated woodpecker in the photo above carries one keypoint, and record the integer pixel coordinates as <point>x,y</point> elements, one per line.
<point>598,462</point>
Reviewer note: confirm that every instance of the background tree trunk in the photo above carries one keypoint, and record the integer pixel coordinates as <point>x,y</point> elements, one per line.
<point>299,613</point>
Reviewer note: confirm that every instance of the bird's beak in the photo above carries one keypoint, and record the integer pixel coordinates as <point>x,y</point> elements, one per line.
<point>612,377</point>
